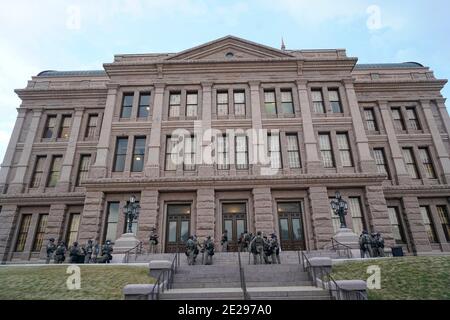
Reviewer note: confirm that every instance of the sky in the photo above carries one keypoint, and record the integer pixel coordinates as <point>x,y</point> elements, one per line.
<point>84,34</point>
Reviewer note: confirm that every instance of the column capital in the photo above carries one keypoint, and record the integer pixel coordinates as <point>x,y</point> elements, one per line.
<point>348,83</point>
<point>441,101</point>
<point>207,85</point>
<point>159,85</point>
<point>301,83</point>
<point>383,104</point>
<point>112,87</point>
<point>79,109</point>
<point>254,83</point>
<point>425,102</point>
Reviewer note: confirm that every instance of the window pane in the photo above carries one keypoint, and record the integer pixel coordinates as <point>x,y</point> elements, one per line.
<point>73,228</point>
<point>184,234</point>
<point>297,229</point>
<point>427,163</point>
<point>428,222</point>
<point>228,226</point>
<point>138,154</point>
<point>445,221</point>
<point>222,97</point>
<point>239,97</point>
<point>410,163</point>
<point>23,233</point>
<point>54,171</point>
<point>50,127</point>
<point>172,231</point>
<point>289,207</point>
<point>240,227</point>
<point>175,99</point>
<point>284,229</point>
<point>92,126</point>
<point>38,172</point>
<point>144,105</point>
<point>64,132</point>
<point>269,100</point>
<point>112,220</point>
<point>83,172</point>
<point>357,217</point>
<point>40,233</point>
<point>287,104</point>
<point>127,105</point>
<point>335,101</point>
<point>121,153</point>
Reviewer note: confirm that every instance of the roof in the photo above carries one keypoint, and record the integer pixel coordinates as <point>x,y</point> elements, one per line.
<point>404,65</point>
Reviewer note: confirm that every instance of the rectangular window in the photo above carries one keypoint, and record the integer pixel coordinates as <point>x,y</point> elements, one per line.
<point>55,170</point>
<point>293,151</point>
<point>428,223</point>
<point>64,131</point>
<point>191,104</point>
<point>445,221</point>
<point>92,126</point>
<point>174,105</point>
<point>399,124</point>
<point>356,213</point>
<point>344,149</point>
<point>38,172</point>
<point>138,154</point>
<point>380,160</point>
<point>370,120</point>
<point>120,154</point>
<point>223,153</point>
<point>23,233</point>
<point>50,127</point>
<point>408,156</point>
<point>412,118</point>
<point>189,153</point>
<point>326,150</point>
<point>270,102</point>
<point>239,103</point>
<point>241,153</point>
<point>274,151</point>
<point>127,105</point>
<point>427,163</point>
<point>40,233</point>
<point>144,105</point>
<point>286,102</point>
<point>335,100</point>
<point>317,99</point>
<point>171,153</point>
<point>397,229</point>
<point>112,220</point>
<point>334,218</point>
<point>83,170</point>
<point>74,225</point>
<point>222,103</point>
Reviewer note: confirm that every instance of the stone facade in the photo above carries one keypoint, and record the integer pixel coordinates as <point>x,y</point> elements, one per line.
<point>396,108</point>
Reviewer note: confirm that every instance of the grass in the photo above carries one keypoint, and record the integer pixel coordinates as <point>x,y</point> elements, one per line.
<point>49,282</point>
<point>409,278</point>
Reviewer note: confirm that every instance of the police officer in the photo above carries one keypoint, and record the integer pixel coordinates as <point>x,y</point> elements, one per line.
<point>51,247</point>
<point>257,248</point>
<point>267,250</point>
<point>379,244</point>
<point>60,253</point>
<point>365,245</point>
<point>89,249</point>
<point>75,253</point>
<point>107,250</point>
<point>224,241</point>
<point>248,237</point>
<point>153,240</point>
<point>190,250</point>
<point>275,258</point>
<point>208,249</point>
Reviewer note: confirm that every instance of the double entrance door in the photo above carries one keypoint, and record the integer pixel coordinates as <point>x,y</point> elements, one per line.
<point>234,222</point>
<point>178,227</point>
<point>290,221</point>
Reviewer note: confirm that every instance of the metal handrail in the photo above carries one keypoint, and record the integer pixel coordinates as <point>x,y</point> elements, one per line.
<point>138,249</point>
<point>347,248</point>
<point>165,282</point>
<point>242,277</point>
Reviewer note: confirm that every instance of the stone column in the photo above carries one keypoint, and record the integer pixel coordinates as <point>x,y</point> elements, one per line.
<point>205,213</point>
<point>18,182</point>
<point>417,230</point>
<point>444,114</point>
<point>366,162</point>
<point>67,165</point>
<point>91,219</point>
<point>9,156</point>
<point>8,217</point>
<point>148,215</point>
<point>319,205</point>
<point>441,150</point>
<point>378,214</point>
<point>154,147</point>
<point>204,168</point>
<point>100,167</point>
<point>400,168</point>
<point>55,223</point>
<point>313,163</point>
<point>264,216</point>
<point>255,145</point>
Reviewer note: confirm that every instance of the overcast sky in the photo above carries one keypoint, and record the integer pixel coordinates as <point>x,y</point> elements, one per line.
<point>84,34</point>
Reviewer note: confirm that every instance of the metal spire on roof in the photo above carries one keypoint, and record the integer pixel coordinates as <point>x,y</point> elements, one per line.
<point>283,47</point>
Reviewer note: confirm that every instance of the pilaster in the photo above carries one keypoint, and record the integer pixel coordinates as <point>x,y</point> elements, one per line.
<point>8,217</point>
<point>148,215</point>
<point>319,208</point>
<point>91,219</point>
<point>417,229</point>
<point>205,213</point>
<point>264,216</point>
<point>154,148</point>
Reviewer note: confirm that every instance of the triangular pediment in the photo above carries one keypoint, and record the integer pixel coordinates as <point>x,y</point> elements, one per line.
<point>230,48</point>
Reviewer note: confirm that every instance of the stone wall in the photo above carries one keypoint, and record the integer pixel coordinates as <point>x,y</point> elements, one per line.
<point>148,215</point>
<point>91,220</point>
<point>205,213</point>
<point>262,204</point>
<point>319,207</point>
<point>8,219</point>
<point>416,227</point>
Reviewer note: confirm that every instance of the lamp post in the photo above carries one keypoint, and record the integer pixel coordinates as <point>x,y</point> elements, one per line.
<point>340,208</point>
<point>131,211</point>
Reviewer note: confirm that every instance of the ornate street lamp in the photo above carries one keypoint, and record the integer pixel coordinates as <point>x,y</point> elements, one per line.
<point>340,208</point>
<point>131,211</point>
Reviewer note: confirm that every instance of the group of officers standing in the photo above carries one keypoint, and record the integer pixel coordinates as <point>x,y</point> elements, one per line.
<point>371,246</point>
<point>88,253</point>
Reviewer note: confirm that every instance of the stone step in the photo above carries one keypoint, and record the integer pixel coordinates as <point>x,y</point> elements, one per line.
<point>237,284</point>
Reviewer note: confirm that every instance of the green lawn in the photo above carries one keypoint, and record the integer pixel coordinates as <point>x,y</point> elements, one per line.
<point>409,278</point>
<point>49,282</point>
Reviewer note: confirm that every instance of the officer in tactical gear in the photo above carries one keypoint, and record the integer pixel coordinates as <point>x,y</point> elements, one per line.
<point>208,249</point>
<point>379,244</point>
<point>248,237</point>
<point>60,253</point>
<point>190,250</point>
<point>267,250</point>
<point>365,245</point>
<point>88,250</point>
<point>107,250</point>
<point>51,247</point>
<point>275,247</point>
<point>224,241</point>
<point>95,253</point>
<point>153,240</point>
<point>257,248</point>
<point>75,253</point>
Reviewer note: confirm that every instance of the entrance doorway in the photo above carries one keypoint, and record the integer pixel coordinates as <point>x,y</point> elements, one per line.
<point>235,222</point>
<point>290,220</point>
<point>178,227</point>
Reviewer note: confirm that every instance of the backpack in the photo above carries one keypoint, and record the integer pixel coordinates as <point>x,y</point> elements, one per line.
<point>259,241</point>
